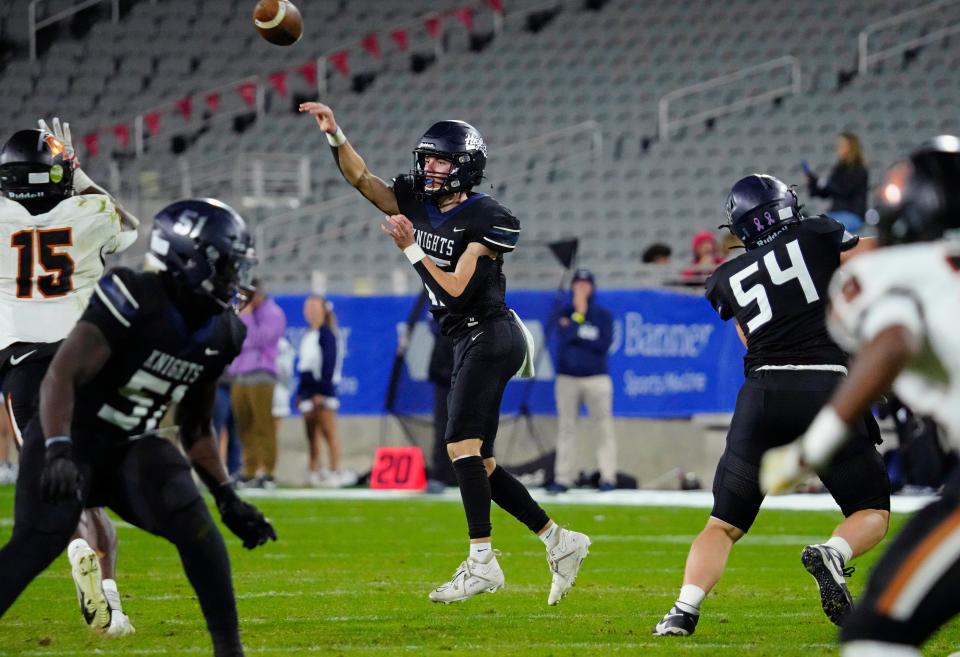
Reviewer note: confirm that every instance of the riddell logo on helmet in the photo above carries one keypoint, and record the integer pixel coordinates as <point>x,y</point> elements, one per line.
<point>24,196</point>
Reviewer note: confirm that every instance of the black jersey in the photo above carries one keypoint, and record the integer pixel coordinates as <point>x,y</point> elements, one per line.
<point>778,295</point>
<point>444,237</point>
<point>155,358</point>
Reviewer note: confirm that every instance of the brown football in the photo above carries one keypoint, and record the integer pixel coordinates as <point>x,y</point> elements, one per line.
<point>278,21</point>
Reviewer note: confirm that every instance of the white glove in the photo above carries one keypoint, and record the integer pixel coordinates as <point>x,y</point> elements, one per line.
<point>61,132</point>
<point>782,468</point>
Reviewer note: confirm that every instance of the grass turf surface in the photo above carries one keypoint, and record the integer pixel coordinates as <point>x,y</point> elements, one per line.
<point>351,578</point>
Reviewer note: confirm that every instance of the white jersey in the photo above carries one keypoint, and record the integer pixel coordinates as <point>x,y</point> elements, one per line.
<point>51,263</point>
<point>916,286</point>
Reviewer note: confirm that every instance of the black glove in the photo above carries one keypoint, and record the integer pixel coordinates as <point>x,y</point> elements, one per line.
<point>60,479</point>
<point>243,519</point>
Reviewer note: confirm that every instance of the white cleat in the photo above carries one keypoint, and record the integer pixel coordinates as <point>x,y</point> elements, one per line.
<point>120,625</point>
<point>85,567</point>
<point>470,579</point>
<point>565,559</point>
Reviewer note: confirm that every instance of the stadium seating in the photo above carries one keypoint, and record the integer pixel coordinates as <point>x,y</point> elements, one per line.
<point>609,66</point>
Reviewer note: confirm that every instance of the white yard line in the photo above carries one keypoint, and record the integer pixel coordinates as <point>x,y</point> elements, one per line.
<point>637,498</point>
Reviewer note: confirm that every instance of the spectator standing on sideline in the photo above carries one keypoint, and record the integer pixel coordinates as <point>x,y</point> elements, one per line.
<point>584,334</point>
<point>321,362</point>
<point>847,184</point>
<point>281,392</point>
<point>254,375</point>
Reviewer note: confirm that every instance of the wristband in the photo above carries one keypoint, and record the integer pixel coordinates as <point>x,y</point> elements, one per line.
<point>337,138</point>
<point>414,253</point>
<point>57,440</point>
<point>824,436</point>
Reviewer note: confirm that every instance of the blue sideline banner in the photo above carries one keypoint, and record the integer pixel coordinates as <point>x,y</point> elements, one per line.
<point>671,355</point>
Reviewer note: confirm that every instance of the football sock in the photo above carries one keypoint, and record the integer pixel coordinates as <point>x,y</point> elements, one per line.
<point>481,552</point>
<point>840,545</point>
<point>691,596</point>
<point>550,537</point>
<point>513,497</point>
<point>112,594</point>
<point>475,493</point>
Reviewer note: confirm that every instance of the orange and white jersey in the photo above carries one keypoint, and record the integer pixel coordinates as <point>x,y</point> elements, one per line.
<point>916,286</point>
<point>51,263</point>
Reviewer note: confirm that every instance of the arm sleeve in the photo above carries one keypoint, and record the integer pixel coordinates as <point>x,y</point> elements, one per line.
<point>328,347</point>
<point>896,308</point>
<point>114,307</point>
<point>717,298</point>
<point>484,267</point>
<point>405,193</point>
<point>502,232</point>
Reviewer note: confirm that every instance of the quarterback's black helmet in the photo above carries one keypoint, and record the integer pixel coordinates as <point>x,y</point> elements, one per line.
<point>204,247</point>
<point>919,198</point>
<point>462,145</point>
<point>759,207</point>
<point>33,170</point>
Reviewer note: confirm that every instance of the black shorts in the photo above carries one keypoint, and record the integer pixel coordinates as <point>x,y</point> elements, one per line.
<point>913,587</point>
<point>22,368</point>
<point>485,359</point>
<point>773,409</point>
<point>144,481</point>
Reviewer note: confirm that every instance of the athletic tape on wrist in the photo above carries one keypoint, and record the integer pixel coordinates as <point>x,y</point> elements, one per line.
<point>414,253</point>
<point>824,436</point>
<point>56,440</point>
<point>337,138</point>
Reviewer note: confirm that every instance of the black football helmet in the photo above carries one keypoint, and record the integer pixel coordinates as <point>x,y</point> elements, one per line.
<point>204,248</point>
<point>33,171</point>
<point>919,198</point>
<point>462,145</point>
<point>759,207</point>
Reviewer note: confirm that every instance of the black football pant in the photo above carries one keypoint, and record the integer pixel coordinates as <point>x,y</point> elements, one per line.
<point>148,483</point>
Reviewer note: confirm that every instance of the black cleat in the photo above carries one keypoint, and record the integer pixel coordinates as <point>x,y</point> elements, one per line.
<point>826,566</point>
<point>676,623</point>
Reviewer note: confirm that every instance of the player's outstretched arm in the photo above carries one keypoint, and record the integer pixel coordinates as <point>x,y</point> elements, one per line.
<point>871,374</point>
<point>448,286</point>
<point>195,419</point>
<point>82,184</point>
<point>351,165</point>
<point>77,361</point>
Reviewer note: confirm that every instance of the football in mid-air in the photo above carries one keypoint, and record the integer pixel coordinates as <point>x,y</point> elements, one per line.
<point>278,21</point>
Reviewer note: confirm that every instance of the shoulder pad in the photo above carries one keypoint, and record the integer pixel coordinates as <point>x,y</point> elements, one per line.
<point>118,291</point>
<point>821,224</point>
<point>502,232</point>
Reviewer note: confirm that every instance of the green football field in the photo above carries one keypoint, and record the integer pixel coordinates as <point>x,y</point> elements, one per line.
<point>352,577</point>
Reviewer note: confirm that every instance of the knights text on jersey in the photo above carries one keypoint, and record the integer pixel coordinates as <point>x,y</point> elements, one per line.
<point>155,358</point>
<point>916,286</point>
<point>50,265</point>
<point>444,236</point>
<point>778,292</point>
